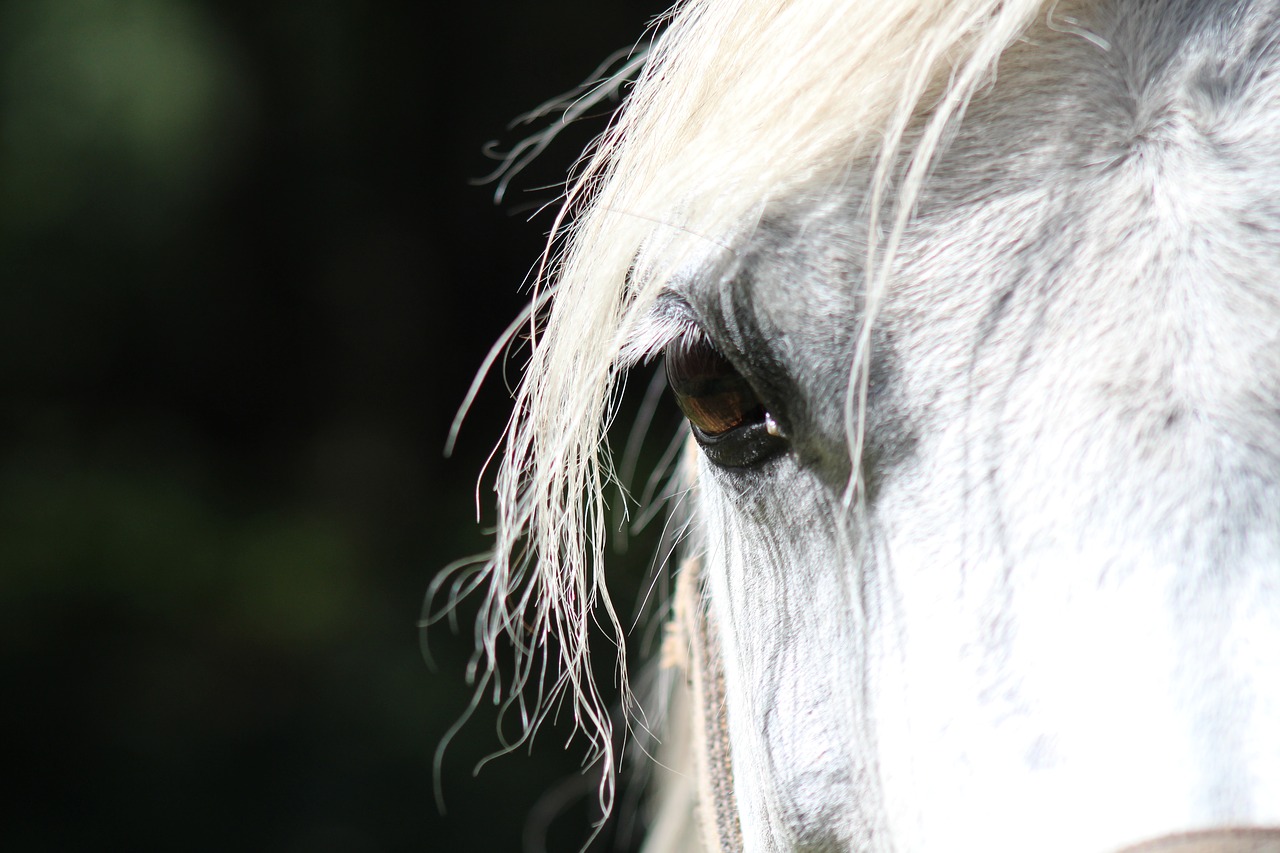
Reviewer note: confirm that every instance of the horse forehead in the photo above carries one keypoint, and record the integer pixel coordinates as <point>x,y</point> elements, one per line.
<point>1154,161</point>
<point>1130,178</point>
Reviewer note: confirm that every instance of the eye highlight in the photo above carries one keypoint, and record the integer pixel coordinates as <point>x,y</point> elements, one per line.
<point>728,420</point>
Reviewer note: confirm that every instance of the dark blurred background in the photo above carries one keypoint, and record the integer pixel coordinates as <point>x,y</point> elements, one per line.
<point>245,281</point>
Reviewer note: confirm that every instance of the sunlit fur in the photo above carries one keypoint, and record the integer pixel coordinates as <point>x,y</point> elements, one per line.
<point>1015,584</point>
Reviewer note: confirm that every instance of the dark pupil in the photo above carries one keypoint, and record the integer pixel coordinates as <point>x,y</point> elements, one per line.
<point>711,393</point>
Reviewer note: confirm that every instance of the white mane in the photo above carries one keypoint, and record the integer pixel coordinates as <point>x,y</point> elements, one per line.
<point>742,103</point>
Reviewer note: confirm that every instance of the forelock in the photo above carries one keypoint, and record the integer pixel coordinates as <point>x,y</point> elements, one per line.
<point>742,104</point>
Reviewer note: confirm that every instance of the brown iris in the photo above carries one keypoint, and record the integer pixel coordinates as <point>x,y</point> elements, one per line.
<point>710,391</point>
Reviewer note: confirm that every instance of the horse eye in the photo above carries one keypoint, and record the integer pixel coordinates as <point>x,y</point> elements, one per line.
<point>728,419</point>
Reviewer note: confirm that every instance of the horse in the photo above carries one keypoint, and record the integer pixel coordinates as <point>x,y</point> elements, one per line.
<point>972,308</point>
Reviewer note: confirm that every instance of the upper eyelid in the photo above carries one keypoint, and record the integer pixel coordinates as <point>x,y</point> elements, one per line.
<point>671,319</point>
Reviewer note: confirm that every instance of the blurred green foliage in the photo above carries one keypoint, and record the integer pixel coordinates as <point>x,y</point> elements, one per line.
<point>141,99</point>
<point>244,282</point>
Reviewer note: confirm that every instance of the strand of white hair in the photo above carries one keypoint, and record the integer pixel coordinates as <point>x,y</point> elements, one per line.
<point>742,103</point>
